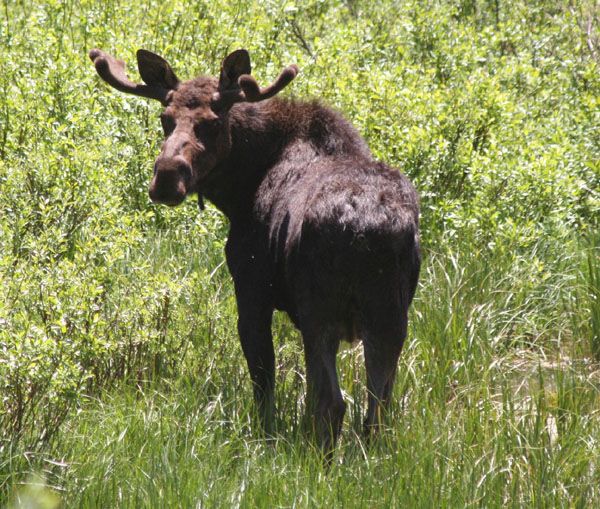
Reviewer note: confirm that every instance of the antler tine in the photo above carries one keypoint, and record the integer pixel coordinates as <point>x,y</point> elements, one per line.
<point>252,92</point>
<point>112,71</point>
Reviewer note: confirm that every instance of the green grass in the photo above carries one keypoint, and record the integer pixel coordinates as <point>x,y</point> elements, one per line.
<point>122,382</point>
<point>470,426</point>
<point>486,413</point>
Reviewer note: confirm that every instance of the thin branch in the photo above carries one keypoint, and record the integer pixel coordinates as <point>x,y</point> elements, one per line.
<point>297,32</point>
<point>590,41</point>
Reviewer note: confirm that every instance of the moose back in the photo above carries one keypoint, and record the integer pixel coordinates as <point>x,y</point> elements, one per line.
<point>318,228</point>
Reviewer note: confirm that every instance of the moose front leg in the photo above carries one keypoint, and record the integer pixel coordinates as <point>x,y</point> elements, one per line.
<point>249,266</point>
<point>254,328</point>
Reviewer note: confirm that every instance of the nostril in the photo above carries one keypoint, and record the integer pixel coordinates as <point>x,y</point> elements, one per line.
<point>185,171</point>
<point>167,194</point>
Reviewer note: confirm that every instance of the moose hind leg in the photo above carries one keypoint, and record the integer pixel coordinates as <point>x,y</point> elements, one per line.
<point>381,364</point>
<point>382,348</point>
<point>324,402</point>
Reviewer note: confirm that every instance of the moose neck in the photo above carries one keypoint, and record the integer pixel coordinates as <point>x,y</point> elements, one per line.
<point>259,133</point>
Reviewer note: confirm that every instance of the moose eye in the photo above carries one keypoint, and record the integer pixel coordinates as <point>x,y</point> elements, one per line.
<point>168,124</point>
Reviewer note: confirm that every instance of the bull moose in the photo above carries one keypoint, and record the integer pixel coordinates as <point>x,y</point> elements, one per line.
<point>318,228</point>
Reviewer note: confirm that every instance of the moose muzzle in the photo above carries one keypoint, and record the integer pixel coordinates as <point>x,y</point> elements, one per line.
<point>171,179</point>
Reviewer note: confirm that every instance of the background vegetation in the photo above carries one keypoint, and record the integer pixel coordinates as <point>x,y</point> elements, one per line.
<point>121,379</point>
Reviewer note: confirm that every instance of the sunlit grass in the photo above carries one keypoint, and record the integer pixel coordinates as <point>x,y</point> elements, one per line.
<point>470,425</point>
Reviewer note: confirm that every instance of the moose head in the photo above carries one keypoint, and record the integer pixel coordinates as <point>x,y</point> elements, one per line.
<point>196,116</point>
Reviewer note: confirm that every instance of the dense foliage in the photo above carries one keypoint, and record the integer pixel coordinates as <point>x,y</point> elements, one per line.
<point>117,317</point>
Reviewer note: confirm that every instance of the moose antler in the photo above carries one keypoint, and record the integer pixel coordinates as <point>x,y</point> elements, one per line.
<point>112,71</point>
<point>250,90</point>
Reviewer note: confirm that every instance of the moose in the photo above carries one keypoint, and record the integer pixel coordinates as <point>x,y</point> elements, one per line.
<point>318,228</point>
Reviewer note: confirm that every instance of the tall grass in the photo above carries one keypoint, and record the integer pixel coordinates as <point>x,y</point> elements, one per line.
<point>484,414</point>
<point>592,288</point>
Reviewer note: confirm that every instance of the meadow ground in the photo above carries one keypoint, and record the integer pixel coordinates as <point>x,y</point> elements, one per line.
<point>122,383</point>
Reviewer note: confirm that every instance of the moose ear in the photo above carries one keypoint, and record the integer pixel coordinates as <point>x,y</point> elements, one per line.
<point>234,65</point>
<point>155,70</point>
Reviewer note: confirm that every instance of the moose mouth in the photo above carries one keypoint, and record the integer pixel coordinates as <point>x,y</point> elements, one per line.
<point>172,203</point>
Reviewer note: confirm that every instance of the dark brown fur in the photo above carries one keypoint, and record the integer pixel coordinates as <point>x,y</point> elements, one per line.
<point>318,228</point>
